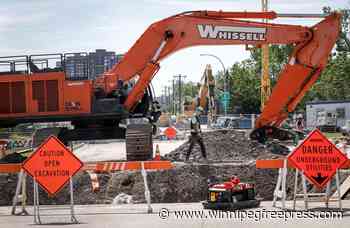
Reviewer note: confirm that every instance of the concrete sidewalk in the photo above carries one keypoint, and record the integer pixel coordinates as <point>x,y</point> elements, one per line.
<point>172,215</point>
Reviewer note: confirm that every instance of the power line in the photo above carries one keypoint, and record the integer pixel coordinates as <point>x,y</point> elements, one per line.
<point>180,79</point>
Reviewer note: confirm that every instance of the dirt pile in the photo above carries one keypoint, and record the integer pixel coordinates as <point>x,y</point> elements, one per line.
<point>229,152</point>
<point>225,145</point>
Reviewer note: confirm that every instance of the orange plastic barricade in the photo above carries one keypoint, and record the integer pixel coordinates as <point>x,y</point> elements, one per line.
<point>129,165</point>
<point>278,163</point>
<point>10,168</point>
<point>102,166</point>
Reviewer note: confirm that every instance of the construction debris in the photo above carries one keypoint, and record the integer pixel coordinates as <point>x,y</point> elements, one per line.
<point>122,198</point>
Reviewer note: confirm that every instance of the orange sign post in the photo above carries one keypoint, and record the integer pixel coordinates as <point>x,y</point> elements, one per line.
<point>52,165</point>
<point>317,158</point>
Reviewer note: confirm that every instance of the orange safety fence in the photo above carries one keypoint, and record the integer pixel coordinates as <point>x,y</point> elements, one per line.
<point>278,163</point>
<point>10,168</point>
<point>103,166</point>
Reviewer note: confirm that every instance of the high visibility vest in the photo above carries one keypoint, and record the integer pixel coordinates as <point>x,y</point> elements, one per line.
<point>195,124</point>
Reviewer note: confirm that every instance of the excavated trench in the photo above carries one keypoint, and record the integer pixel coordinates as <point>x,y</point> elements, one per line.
<point>229,153</point>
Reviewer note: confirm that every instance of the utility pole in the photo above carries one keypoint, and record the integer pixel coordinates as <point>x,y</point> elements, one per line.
<point>165,98</point>
<point>168,99</point>
<point>265,77</point>
<point>179,79</point>
<point>173,100</point>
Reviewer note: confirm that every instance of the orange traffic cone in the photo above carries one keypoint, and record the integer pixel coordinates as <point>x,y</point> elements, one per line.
<point>157,155</point>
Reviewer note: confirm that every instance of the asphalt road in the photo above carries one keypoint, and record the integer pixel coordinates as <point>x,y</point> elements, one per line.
<point>135,216</point>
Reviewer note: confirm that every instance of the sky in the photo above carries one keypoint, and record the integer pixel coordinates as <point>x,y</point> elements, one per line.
<point>55,26</point>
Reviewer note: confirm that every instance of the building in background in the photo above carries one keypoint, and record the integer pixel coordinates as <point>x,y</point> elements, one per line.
<point>76,66</point>
<point>100,61</point>
<point>80,66</point>
<point>338,108</point>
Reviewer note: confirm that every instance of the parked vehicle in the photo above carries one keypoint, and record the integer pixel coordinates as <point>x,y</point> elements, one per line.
<point>232,122</point>
<point>346,129</point>
<point>326,121</point>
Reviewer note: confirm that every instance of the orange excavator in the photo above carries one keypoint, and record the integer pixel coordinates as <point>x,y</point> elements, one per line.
<point>205,97</point>
<point>44,95</point>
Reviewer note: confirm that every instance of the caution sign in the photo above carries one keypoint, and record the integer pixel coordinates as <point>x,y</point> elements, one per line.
<point>318,158</point>
<point>52,165</point>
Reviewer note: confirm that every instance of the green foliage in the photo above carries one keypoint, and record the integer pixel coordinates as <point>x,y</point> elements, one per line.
<point>244,87</point>
<point>278,56</point>
<point>244,78</point>
<point>190,89</point>
<point>334,82</point>
<point>343,44</point>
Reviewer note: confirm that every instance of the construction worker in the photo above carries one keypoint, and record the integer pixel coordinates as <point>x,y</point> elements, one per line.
<point>195,134</point>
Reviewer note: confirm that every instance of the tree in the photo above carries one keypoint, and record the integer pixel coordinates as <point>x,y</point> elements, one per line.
<point>278,57</point>
<point>243,86</point>
<point>343,44</point>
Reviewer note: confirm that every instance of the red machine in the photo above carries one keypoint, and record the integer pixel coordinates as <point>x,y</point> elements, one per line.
<point>231,195</point>
<point>34,95</point>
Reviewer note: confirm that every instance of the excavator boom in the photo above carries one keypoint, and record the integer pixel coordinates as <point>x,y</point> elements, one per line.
<point>312,46</point>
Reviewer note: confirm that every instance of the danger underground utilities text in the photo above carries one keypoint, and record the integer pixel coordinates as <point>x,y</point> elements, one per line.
<point>317,158</point>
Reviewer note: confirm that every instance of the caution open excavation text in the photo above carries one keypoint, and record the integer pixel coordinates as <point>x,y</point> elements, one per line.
<point>52,165</point>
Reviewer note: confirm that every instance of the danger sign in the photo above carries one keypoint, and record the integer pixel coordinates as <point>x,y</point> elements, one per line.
<point>52,165</point>
<point>318,158</point>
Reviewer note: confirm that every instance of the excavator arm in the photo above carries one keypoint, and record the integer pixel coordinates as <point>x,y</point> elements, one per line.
<point>312,46</point>
<point>204,96</point>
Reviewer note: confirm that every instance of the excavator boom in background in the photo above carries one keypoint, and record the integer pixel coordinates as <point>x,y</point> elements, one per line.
<point>36,95</point>
<point>206,95</point>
